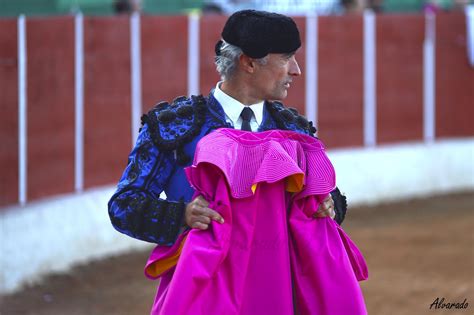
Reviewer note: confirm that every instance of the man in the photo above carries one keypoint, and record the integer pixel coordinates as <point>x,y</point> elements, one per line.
<point>256,60</point>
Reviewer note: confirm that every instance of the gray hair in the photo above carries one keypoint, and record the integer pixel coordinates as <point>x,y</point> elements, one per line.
<point>227,61</point>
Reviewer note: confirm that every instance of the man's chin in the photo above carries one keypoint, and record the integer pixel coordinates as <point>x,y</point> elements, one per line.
<point>283,95</point>
<point>280,96</point>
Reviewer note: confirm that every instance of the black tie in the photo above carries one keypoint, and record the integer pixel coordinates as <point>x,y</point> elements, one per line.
<point>246,114</point>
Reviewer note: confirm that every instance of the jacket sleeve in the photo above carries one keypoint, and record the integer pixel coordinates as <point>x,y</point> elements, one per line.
<point>340,205</point>
<point>136,208</point>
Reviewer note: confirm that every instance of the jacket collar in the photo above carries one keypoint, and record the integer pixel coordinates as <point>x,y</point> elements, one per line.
<point>219,116</point>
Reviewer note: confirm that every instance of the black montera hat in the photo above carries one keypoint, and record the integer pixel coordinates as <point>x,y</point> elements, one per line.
<point>259,33</point>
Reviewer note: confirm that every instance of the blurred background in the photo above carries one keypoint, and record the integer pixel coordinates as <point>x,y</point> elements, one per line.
<point>389,84</point>
<point>172,7</point>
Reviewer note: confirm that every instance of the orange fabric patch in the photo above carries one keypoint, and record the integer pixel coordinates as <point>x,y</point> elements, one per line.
<point>160,266</point>
<point>294,183</point>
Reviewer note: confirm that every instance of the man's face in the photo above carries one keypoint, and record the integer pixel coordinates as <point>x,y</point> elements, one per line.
<point>273,79</point>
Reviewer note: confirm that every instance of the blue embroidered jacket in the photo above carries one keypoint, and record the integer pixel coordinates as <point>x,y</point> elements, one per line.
<point>165,146</point>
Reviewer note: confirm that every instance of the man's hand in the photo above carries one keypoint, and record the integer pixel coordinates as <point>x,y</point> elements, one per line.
<point>199,216</point>
<point>326,208</point>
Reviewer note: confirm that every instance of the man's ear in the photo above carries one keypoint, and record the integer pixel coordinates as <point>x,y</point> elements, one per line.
<point>247,64</point>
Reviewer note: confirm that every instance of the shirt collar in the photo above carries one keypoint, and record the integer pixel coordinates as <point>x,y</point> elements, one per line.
<point>233,107</point>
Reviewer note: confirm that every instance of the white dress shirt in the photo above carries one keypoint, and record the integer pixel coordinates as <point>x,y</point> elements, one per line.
<point>233,108</point>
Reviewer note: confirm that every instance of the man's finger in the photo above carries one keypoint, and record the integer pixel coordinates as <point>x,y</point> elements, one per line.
<point>199,225</point>
<point>326,209</point>
<point>321,214</point>
<point>203,219</point>
<point>328,198</point>
<point>328,202</point>
<point>208,212</point>
<point>331,213</point>
<point>199,200</point>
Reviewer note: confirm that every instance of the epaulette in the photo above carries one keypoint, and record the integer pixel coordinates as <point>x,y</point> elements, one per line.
<point>340,205</point>
<point>173,125</point>
<point>288,118</point>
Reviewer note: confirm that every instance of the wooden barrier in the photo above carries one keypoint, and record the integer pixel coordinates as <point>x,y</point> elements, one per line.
<point>107,112</point>
<point>340,81</point>
<point>8,112</point>
<point>165,57</point>
<point>454,79</point>
<point>400,78</point>
<point>50,115</point>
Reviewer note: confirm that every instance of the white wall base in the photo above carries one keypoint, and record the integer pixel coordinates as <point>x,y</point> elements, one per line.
<point>52,235</point>
<point>389,173</point>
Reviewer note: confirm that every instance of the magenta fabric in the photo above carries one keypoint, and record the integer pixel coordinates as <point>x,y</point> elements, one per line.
<point>270,256</point>
<point>246,158</point>
<point>326,264</point>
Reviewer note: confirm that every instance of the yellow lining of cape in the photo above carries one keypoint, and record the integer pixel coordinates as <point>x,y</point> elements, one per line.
<point>160,266</point>
<point>294,183</point>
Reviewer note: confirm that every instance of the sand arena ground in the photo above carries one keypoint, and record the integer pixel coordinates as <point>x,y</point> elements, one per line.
<point>417,251</point>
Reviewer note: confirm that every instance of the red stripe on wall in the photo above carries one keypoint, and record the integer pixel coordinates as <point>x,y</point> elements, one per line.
<point>454,78</point>
<point>296,93</point>
<point>9,111</point>
<point>340,80</point>
<point>210,32</point>
<point>50,81</point>
<point>164,44</point>
<point>107,109</point>
<point>399,77</point>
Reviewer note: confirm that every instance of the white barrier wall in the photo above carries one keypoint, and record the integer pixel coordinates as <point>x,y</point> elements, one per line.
<point>390,173</point>
<point>52,235</point>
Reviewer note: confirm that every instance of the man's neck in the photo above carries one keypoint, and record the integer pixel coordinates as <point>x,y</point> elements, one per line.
<point>240,92</point>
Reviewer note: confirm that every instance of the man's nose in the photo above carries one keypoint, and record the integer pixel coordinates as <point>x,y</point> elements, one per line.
<point>294,69</point>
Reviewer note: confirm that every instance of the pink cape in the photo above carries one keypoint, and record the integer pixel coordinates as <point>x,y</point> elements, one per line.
<point>270,256</point>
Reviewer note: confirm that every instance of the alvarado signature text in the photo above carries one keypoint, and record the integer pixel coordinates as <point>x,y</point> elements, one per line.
<point>439,303</point>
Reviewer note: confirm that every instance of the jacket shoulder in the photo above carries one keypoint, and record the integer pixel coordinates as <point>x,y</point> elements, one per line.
<point>288,118</point>
<point>171,125</point>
